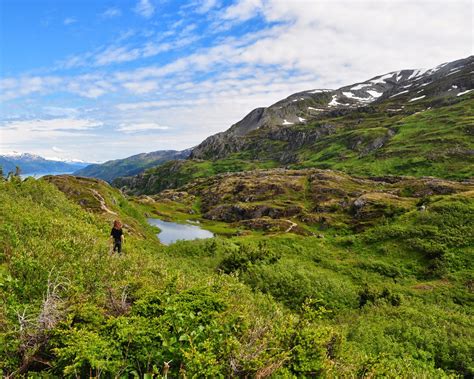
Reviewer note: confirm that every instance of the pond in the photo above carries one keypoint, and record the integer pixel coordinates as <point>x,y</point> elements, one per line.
<point>172,231</point>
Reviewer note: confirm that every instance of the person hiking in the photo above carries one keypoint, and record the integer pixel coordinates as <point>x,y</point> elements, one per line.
<point>117,236</point>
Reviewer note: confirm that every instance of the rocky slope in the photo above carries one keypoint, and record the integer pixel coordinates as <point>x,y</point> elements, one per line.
<point>278,199</point>
<point>133,165</point>
<point>397,89</point>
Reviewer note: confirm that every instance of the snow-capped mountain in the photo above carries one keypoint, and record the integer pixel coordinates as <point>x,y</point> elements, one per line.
<point>399,90</point>
<point>34,164</point>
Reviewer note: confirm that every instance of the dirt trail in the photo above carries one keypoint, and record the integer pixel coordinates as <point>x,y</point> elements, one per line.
<point>103,206</point>
<point>292,225</point>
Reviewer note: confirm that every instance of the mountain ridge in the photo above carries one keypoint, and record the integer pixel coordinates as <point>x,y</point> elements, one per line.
<point>407,122</point>
<point>286,113</point>
<point>33,163</point>
<point>131,165</point>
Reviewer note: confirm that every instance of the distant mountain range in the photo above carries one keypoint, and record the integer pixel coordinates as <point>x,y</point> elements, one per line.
<point>35,164</point>
<point>133,165</point>
<point>407,122</point>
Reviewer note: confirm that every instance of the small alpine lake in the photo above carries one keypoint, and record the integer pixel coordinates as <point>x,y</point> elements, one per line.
<point>173,231</point>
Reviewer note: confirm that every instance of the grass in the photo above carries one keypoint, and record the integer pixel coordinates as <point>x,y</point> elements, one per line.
<point>390,299</point>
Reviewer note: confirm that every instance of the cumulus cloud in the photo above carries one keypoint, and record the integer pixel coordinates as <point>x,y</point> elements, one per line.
<point>15,87</point>
<point>244,9</point>
<point>145,8</point>
<point>337,39</point>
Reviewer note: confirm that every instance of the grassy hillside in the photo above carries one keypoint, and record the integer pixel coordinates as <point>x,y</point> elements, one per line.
<point>70,309</point>
<point>130,166</point>
<point>391,299</point>
<point>419,139</point>
<point>436,142</point>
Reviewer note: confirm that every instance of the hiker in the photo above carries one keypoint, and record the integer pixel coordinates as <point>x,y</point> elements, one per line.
<point>117,236</point>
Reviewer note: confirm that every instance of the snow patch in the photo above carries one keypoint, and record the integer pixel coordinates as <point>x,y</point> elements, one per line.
<point>315,109</point>
<point>416,98</point>
<point>16,154</point>
<point>301,119</point>
<point>350,95</point>
<point>333,102</point>
<point>374,93</point>
<point>359,86</point>
<point>414,74</point>
<point>287,122</point>
<point>381,79</point>
<point>464,92</point>
<point>453,72</point>
<point>399,93</point>
<point>319,91</point>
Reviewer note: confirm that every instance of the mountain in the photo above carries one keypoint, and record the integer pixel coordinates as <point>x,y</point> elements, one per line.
<point>396,93</point>
<point>131,165</point>
<point>34,164</point>
<point>408,122</point>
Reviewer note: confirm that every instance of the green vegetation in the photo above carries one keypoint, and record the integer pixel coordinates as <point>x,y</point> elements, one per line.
<point>392,298</point>
<point>174,174</point>
<point>344,248</point>
<point>429,138</point>
<point>130,166</point>
<point>435,142</point>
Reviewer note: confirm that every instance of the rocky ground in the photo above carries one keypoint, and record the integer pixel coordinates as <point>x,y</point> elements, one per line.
<point>269,199</point>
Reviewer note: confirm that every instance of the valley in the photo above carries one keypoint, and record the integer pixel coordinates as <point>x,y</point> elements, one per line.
<point>342,225</point>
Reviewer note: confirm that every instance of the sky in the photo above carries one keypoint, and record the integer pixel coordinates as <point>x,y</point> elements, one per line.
<point>105,79</point>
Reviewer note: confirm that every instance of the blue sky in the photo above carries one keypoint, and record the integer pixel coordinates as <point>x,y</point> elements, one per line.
<point>103,79</point>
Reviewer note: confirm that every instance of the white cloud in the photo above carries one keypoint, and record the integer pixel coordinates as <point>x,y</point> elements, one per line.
<point>12,88</point>
<point>69,21</point>
<point>57,149</point>
<point>112,13</point>
<point>354,40</point>
<point>243,10</point>
<point>141,87</point>
<point>145,8</point>
<point>206,5</point>
<point>141,127</point>
<point>50,125</point>
<point>31,135</point>
<point>115,54</point>
<point>60,111</point>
